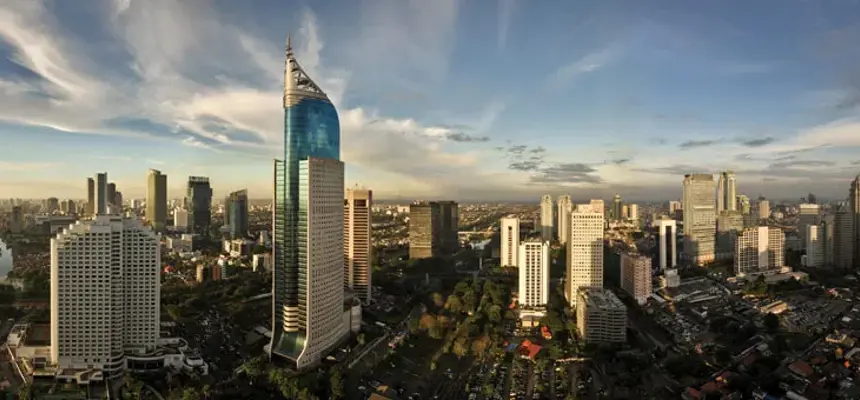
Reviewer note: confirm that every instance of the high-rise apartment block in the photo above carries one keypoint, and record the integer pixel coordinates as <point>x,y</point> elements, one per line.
<point>699,218</point>
<point>760,249</point>
<point>565,206</point>
<point>199,204</point>
<point>510,241</point>
<point>307,274</point>
<point>236,213</point>
<point>674,206</point>
<point>357,242</point>
<point>105,294</point>
<point>433,229</point>
<point>546,217</point>
<point>667,240</point>
<point>180,219</point>
<point>633,212</point>
<point>726,192</point>
<point>763,209</point>
<point>585,249</point>
<point>156,199</point>
<point>533,266</point>
<point>601,317</point>
<point>111,194</point>
<point>636,276</point>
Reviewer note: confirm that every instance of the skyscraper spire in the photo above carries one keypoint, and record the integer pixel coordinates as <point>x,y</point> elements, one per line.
<point>297,83</point>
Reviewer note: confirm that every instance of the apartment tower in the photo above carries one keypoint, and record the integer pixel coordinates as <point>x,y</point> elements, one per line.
<point>105,293</point>
<point>667,237</point>
<point>91,197</point>
<point>533,266</point>
<point>760,249</point>
<point>101,193</point>
<point>636,276</point>
<point>726,192</point>
<point>510,241</point>
<point>357,242</point>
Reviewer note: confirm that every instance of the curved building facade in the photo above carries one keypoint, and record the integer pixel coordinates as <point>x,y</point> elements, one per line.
<point>308,225</point>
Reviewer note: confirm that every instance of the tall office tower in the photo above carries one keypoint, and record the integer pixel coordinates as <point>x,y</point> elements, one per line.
<point>91,197</point>
<point>760,249</point>
<point>101,193</point>
<point>729,224</point>
<point>16,224</point>
<point>636,276</point>
<point>763,209</point>
<point>565,206</point>
<point>111,193</point>
<point>674,206</point>
<point>117,200</point>
<point>585,249</point>
<point>236,213</point>
<point>449,224</point>
<point>667,237</point>
<point>617,212</point>
<point>199,204</point>
<point>814,246</point>
<point>633,212</point>
<point>180,219</point>
<point>546,217</point>
<point>742,204</point>
<point>807,215</point>
<point>843,238</point>
<point>854,204</point>
<point>95,326</point>
<point>726,192</point>
<point>357,242</point>
<point>533,265</point>
<point>699,218</point>
<point>52,205</point>
<point>602,318</point>
<point>433,228</point>
<point>510,238</point>
<point>307,293</point>
<point>156,199</point>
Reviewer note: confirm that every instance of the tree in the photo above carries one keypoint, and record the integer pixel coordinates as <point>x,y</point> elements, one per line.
<point>461,346</point>
<point>360,339</point>
<point>771,322</point>
<point>438,300</point>
<point>336,384</point>
<point>454,304</point>
<point>723,356</point>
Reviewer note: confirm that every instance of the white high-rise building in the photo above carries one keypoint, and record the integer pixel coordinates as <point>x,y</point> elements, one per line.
<point>760,249</point>
<point>180,219</point>
<point>533,265</point>
<point>357,242</point>
<point>105,293</point>
<point>510,238</point>
<point>674,206</point>
<point>565,206</point>
<point>546,217</point>
<point>814,246</point>
<point>667,236</point>
<point>636,276</point>
<point>633,212</point>
<point>585,249</point>
<point>700,219</point>
<point>763,209</point>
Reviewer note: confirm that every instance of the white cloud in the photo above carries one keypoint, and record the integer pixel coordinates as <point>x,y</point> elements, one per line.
<point>591,62</point>
<point>7,166</point>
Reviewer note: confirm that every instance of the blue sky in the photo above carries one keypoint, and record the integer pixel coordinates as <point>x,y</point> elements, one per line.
<point>437,99</point>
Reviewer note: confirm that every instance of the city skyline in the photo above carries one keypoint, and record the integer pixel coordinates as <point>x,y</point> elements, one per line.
<point>199,94</point>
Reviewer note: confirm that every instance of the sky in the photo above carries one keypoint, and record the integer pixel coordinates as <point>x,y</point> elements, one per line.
<point>443,99</point>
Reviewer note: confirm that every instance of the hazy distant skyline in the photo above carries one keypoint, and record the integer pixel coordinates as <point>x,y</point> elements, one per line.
<point>437,99</point>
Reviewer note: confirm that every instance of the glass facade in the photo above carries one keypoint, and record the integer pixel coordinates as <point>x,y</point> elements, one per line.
<point>311,129</point>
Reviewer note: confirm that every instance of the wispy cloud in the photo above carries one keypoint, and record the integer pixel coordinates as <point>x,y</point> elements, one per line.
<point>506,12</point>
<point>26,166</point>
<point>690,144</point>
<point>758,142</point>
<point>110,158</point>
<point>588,63</point>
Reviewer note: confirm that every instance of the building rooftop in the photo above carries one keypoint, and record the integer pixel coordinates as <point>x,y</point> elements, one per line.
<point>601,298</point>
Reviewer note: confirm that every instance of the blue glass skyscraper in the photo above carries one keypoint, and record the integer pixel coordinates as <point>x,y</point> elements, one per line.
<point>308,225</point>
